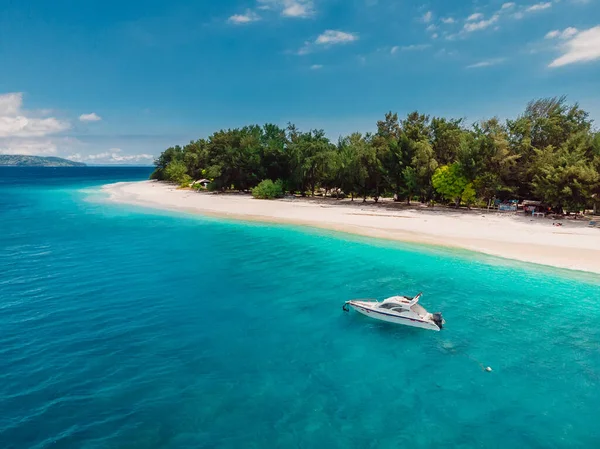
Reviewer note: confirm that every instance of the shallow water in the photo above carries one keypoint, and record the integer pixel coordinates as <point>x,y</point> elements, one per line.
<point>123,327</point>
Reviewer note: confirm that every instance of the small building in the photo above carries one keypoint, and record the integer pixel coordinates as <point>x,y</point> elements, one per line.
<point>507,205</point>
<point>532,206</point>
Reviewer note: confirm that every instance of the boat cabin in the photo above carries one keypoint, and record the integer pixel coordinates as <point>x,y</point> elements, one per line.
<point>400,304</point>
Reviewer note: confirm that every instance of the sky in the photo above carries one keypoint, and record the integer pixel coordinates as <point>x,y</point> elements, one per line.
<point>117,82</point>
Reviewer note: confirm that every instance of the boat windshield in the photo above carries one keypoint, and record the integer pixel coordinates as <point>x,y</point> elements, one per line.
<point>392,305</point>
<point>419,310</point>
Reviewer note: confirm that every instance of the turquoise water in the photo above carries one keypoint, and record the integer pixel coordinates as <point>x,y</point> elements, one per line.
<point>129,328</point>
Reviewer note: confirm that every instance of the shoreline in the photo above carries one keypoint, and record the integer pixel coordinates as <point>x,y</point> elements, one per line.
<point>572,246</point>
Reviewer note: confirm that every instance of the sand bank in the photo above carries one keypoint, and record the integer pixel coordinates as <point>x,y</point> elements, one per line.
<point>572,246</point>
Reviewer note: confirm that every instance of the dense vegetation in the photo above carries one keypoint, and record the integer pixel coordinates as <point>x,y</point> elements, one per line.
<point>549,153</point>
<point>268,190</point>
<point>17,160</point>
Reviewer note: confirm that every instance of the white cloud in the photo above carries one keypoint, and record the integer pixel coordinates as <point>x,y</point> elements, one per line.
<point>486,63</point>
<point>431,27</point>
<point>415,47</point>
<point>327,39</point>
<point>508,5</point>
<point>14,122</point>
<point>27,147</point>
<point>241,19</point>
<point>332,37</point>
<point>427,17</point>
<point>434,36</point>
<point>480,25</point>
<point>394,49</point>
<point>316,67</point>
<point>305,49</point>
<point>289,8</point>
<point>296,10</point>
<point>40,146</point>
<point>581,47</point>
<point>32,132</point>
<point>93,117</point>
<point>21,126</point>
<point>10,103</point>
<point>475,16</point>
<point>539,7</point>
<point>567,33</point>
<point>111,156</point>
<point>448,20</point>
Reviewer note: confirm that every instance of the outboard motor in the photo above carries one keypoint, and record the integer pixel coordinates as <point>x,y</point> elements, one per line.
<point>437,319</point>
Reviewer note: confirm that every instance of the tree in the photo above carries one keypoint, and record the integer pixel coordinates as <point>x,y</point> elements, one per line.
<point>545,122</point>
<point>486,159</point>
<point>165,158</point>
<point>596,163</point>
<point>411,182</point>
<point>469,195</point>
<point>275,157</point>
<point>416,127</point>
<point>350,172</point>
<point>389,152</point>
<point>424,164</point>
<point>564,178</point>
<point>268,190</point>
<point>310,153</point>
<point>176,172</point>
<point>447,137</point>
<point>549,153</point>
<point>450,182</point>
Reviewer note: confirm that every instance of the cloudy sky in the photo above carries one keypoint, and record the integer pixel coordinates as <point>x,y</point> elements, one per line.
<point>117,82</point>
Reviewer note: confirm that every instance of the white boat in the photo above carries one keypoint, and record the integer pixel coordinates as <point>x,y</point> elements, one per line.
<point>400,310</point>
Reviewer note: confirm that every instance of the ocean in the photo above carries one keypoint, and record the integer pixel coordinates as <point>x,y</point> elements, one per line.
<point>125,327</point>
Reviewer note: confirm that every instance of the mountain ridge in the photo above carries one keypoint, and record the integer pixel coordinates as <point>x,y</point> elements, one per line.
<point>21,160</point>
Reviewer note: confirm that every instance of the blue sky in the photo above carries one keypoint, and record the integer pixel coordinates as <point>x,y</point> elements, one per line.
<point>117,82</point>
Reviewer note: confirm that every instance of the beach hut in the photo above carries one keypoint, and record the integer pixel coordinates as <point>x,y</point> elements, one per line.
<point>506,206</point>
<point>532,207</point>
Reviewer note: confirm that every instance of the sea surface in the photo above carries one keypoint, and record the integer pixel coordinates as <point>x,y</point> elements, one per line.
<point>124,327</point>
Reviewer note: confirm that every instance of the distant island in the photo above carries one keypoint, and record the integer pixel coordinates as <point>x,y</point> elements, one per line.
<point>15,160</point>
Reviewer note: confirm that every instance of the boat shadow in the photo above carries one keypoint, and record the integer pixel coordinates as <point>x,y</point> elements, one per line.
<point>386,328</point>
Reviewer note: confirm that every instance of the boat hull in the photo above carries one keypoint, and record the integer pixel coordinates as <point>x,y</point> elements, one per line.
<point>393,318</point>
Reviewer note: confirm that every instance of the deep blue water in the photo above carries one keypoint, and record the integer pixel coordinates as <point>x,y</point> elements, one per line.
<point>129,328</point>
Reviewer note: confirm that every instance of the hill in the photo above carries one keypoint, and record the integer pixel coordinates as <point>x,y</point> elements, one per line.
<point>15,160</point>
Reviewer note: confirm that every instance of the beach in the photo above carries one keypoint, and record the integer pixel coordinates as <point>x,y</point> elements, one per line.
<point>572,246</point>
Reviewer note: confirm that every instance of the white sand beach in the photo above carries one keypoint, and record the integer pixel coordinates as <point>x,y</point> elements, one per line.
<point>572,246</point>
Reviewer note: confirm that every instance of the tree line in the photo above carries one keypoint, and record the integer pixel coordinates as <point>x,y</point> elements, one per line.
<point>549,153</point>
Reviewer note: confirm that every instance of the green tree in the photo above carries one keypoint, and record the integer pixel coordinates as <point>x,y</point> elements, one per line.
<point>545,122</point>
<point>450,182</point>
<point>165,158</point>
<point>486,159</point>
<point>447,138</point>
<point>268,190</point>
<point>424,166</point>
<point>564,178</point>
<point>549,153</point>
<point>350,171</point>
<point>416,127</point>
<point>310,152</point>
<point>411,182</point>
<point>389,153</point>
<point>469,195</point>
<point>176,172</point>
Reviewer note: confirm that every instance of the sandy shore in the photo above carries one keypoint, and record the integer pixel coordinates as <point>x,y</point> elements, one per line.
<point>572,246</point>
